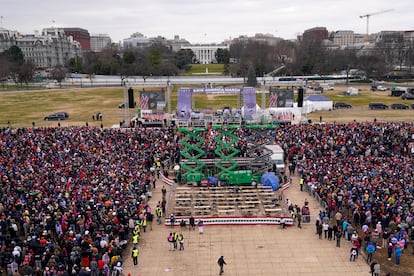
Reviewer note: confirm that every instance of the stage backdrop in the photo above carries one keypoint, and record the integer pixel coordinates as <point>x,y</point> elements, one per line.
<point>250,108</point>
<point>152,100</point>
<point>280,98</point>
<point>184,103</point>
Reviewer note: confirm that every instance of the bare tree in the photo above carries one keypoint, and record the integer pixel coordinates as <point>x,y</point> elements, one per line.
<point>58,73</point>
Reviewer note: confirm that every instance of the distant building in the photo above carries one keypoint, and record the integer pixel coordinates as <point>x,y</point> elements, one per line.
<point>205,54</point>
<point>408,36</point>
<point>100,42</point>
<point>51,48</point>
<point>80,35</point>
<point>317,33</point>
<point>268,39</point>
<point>390,37</point>
<point>345,38</point>
<point>7,39</point>
<point>136,40</point>
<point>177,43</point>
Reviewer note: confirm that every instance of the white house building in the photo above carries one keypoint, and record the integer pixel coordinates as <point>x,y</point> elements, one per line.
<point>205,54</point>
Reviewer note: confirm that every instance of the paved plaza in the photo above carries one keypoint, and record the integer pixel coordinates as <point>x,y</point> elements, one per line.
<point>248,250</point>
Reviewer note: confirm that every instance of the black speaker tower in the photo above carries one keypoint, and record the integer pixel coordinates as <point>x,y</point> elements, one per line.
<point>300,97</point>
<point>131,102</point>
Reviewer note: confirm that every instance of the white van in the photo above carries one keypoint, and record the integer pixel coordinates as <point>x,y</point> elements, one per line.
<point>277,158</point>
<point>326,87</point>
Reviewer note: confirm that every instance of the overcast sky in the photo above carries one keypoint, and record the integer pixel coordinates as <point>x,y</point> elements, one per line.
<point>205,21</point>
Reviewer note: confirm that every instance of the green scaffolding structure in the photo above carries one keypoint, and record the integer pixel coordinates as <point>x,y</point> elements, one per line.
<point>192,153</point>
<point>226,151</point>
<point>195,166</point>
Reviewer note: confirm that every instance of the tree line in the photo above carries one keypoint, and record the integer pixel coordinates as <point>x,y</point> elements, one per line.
<point>303,57</point>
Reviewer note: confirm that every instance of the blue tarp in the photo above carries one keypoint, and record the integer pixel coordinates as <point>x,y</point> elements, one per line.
<point>270,179</point>
<point>212,180</point>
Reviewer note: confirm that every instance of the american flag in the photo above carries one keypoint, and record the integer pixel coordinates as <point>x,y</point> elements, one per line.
<point>273,100</point>
<point>143,102</point>
<point>286,185</point>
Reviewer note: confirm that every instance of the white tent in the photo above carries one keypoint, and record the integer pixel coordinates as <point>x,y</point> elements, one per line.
<point>317,102</point>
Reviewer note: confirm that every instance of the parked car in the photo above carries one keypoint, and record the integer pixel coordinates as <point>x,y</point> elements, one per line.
<point>352,91</point>
<point>400,106</point>
<point>64,114</point>
<point>381,88</point>
<point>407,96</point>
<point>378,106</point>
<point>338,105</point>
<point>412,105</point>
<point>58,116</point>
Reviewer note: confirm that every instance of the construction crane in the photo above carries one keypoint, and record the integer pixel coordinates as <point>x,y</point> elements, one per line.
<point>371,14</point>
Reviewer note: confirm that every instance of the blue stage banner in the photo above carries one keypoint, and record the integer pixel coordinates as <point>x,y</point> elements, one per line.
<point>250,107</point>
<point>184,103</point>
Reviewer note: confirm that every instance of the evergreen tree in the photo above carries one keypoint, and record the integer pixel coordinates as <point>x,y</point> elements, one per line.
<point>251,77</point>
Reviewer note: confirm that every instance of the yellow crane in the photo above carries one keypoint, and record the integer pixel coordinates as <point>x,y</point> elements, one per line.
<point>371,14</point>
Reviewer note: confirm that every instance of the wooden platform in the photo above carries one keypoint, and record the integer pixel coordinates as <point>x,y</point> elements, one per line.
<point>239,201</point>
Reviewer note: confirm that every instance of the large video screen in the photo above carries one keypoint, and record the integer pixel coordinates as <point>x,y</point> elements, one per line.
<point>152,100</point>
<point>280,98</point>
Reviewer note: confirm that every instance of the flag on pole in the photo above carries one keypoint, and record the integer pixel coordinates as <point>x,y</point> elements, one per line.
<point>144,102</point>
<point>273,99</point>
<point>286,185</point>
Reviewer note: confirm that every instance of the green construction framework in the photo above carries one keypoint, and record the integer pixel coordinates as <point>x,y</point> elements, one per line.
<point>193,166</point>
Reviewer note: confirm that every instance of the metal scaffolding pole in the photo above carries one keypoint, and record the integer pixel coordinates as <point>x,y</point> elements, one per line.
<point>169,92</point>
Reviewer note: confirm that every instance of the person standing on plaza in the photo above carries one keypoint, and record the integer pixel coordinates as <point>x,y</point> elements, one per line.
<point>192,223</point>
<point>164,193</point>
<point>200,226</point>
<point>172,220</point>
<point>150,218</point>
<point>397,253</point>
<point>221,262</point>
<point>370,250</point>
<point>338,217</point>
<point>170,240</point>
<point>175,240</point>
<point>181,241</point>
<point>325,227</point>
<point>338,235</point>
<point>390,249</point>
<point>301,182</point>
<point>330,231</point>
<point>299,220</point>
<point>158,212</point>
<point>335,230</point>
<point>135,255</point>
<point>353,254</point>
<point>319,227</point>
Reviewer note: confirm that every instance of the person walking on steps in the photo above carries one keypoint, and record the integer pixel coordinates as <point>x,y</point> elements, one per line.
<point>221,264</point>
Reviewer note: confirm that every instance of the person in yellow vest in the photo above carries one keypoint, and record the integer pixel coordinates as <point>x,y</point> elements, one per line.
<point>135,255</point>
<point>138,227</point>
<point>144,224</point>
<point>175,240</point>
<point>135,238</point>
<point>301,182</point>
<point>158,212</point>
<point>181,241</point>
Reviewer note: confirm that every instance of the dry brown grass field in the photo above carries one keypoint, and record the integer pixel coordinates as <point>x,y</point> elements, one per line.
<point>22,108</point>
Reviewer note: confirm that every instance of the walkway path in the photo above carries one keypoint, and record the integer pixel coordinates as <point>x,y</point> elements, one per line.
<point>248,250</point>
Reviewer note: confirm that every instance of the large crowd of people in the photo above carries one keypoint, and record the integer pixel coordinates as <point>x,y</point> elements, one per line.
<point>67,195</point>
<point>363,173</point>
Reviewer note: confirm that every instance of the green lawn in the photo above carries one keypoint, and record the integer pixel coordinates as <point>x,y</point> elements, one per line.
<point>200,69</point>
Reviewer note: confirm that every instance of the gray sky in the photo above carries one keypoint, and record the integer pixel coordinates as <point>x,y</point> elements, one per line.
<point>205,21</point>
